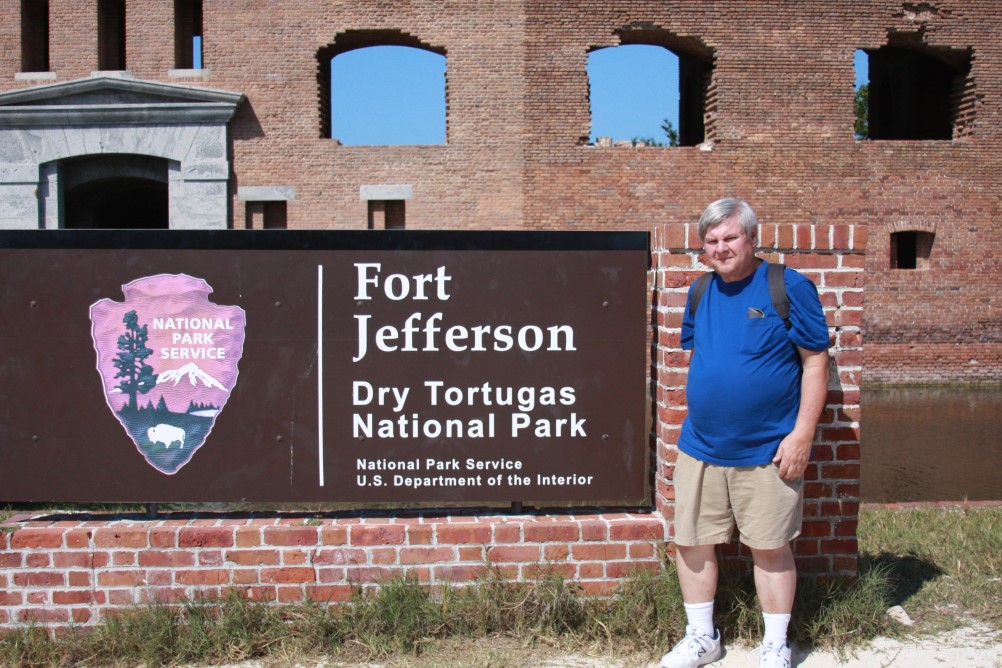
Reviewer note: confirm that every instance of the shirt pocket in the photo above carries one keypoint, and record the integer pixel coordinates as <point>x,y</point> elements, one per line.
<point>762,335</point>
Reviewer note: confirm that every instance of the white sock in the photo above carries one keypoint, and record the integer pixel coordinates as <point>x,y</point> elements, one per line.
<point>775,628</point>
<point>700,615</point>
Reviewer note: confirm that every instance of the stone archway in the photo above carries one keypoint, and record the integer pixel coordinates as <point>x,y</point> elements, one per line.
<point>115,120</point>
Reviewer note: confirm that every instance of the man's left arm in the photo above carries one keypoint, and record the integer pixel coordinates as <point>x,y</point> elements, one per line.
<point>795,450</point>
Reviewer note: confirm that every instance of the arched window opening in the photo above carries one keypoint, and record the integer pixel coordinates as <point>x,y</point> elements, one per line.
<point>653,88</point>
<point>634,94</point>
<point>115,192</point>
<point>34,35</point>
<point>389,94</point>
<point>188,34</point>
<point>111,35</point>
<point>917,93</point>
<point>911,249</point>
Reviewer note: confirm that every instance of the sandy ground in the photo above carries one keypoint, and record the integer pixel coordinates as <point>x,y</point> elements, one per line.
<point>968,647</point>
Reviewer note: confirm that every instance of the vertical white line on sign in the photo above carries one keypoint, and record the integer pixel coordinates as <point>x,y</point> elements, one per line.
<point>320,371</point>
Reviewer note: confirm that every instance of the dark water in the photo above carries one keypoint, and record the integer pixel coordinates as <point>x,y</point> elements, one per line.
<point>931,444</point>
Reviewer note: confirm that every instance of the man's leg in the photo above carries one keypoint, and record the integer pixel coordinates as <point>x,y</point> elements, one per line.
<point>697,575</point>
<point>702,519</point>
<point>769,511</point>
<point>775,579</point>
<point>697,572</point>
<point>776,584</point>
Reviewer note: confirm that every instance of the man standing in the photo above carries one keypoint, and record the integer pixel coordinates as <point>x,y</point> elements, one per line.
<point>755,392</point>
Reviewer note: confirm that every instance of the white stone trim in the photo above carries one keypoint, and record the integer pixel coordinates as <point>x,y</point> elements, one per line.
<point>266,193</point>
<point>386,192</point>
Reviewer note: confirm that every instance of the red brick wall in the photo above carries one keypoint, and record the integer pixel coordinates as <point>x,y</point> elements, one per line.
<point>782,125</point>
<point>72,37</point>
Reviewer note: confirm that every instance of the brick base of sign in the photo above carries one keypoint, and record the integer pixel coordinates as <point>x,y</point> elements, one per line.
<point>62,571</point>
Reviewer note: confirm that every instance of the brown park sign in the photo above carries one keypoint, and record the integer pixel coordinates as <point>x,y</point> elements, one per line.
<point>295,366</point>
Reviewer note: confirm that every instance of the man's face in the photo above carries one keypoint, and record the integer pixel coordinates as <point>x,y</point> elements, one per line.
<point>729,252</point>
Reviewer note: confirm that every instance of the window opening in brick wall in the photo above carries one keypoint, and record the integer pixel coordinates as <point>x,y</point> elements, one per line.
<point>861,105</point>
<point>188,34</point>
<point>392,93</point>
<point>267,215</point>
<point>634,94</point>
<point>34,35</point>
<point>916,92</point>
<point>911,249</point>
<point>111,35</point>
<point>386,214</point>
<point>654,88</point>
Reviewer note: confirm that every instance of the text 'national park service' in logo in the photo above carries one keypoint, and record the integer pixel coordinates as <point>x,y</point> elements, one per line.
<point>168,361</point>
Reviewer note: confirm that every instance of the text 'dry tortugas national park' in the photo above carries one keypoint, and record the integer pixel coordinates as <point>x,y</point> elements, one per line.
<point>301,361</point>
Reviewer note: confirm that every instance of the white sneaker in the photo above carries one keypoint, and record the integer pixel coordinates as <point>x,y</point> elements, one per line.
<point>695,649</point>
<point>774,655</point>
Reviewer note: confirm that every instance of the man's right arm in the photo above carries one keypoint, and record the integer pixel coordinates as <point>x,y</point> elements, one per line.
<point>795,450</point>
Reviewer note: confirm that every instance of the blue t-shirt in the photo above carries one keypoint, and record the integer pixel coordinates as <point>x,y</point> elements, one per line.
<point>744,374</point>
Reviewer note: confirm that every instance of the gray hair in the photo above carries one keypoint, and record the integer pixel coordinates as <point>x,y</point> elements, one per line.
<point>725,208</point>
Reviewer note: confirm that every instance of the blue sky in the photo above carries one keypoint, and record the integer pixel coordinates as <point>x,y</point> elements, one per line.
<point>396,95</point>
<point>388,95</point>
<point>861,64</point>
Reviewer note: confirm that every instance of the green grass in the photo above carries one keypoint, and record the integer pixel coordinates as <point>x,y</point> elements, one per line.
<point>941,565</point>
<point>944,564</point>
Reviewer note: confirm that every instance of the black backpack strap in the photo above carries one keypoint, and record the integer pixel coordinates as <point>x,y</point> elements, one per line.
<point>698,288</point>
<point>777,291</point>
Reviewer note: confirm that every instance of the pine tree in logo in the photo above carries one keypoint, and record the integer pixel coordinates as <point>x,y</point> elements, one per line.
<point>138,377</point>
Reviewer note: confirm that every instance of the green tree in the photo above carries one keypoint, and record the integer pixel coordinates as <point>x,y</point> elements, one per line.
<point>137,376</point>
<point>671,136</point>
<point>862,108</point>
<point>670,132</point>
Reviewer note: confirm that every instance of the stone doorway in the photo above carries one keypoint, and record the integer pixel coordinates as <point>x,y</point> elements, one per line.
<point>132,153</point>
<point>115,192</point>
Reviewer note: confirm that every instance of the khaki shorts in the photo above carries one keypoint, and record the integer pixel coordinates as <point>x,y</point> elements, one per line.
<point>711,500</point>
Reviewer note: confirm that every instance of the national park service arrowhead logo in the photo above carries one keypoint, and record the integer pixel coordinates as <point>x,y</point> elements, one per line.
<point>168,362</point>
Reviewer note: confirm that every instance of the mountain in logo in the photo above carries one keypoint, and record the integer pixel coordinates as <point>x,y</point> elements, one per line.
<point>194,374</point>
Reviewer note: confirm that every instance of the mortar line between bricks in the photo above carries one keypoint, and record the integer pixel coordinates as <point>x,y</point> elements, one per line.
<point>91,547</point>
